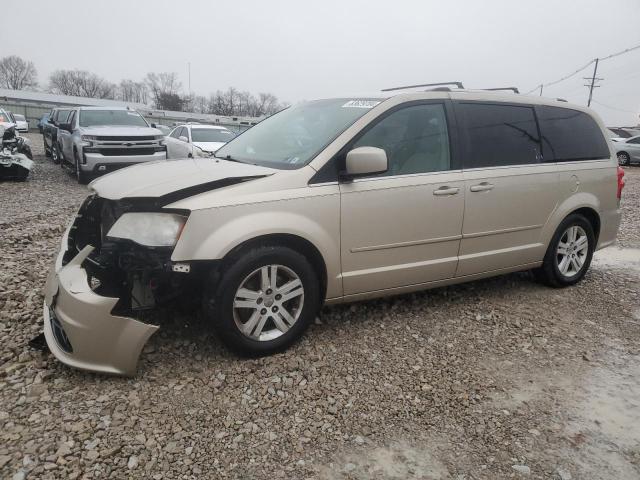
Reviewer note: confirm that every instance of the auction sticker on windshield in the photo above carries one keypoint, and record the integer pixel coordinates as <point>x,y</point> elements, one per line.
<point>361,104</point>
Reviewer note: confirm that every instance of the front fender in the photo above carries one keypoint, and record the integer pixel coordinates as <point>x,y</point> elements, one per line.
<point>212,233</point>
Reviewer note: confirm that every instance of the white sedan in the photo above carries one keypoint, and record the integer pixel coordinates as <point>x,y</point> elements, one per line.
<point>21,123</point>
<point>187,141</point>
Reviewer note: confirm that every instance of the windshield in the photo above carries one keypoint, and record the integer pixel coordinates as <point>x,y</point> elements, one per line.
<point>293,137</point>
<point>93,118</point>
<point>211,135</point>
<point>4,117</point>
<point>19,117</point>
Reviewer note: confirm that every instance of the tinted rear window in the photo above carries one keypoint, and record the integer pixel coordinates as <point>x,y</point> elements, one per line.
<point>570,135</point>
<point>499,135</point>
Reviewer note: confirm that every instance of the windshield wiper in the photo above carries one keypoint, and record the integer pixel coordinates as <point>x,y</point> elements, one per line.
<point>229,158</point>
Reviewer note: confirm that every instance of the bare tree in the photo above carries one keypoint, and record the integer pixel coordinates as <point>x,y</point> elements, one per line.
<point>132,91</point>
<point>165,88</point>
<point>235,103</point>
<point>81,83</point>
<point>16,73</point>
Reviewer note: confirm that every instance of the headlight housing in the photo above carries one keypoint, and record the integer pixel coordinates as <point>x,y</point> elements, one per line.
<point>199,152</point>
<point>87,140</point>
<point>149,228</point>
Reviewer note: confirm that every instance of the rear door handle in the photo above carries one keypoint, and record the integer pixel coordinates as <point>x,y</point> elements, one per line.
<point>482,187</point>
<point>446,191</point>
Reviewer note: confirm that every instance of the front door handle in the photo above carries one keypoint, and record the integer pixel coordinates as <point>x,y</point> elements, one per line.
<point>446,191</point>
<point>482,187</point>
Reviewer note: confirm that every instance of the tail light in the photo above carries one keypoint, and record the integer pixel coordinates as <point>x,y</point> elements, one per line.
<point>620,182</point>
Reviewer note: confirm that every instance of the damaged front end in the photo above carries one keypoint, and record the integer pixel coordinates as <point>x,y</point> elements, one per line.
<point>101,286</point>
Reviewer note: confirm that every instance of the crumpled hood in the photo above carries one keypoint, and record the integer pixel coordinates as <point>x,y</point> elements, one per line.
<point>174,178</point>
<point>209,146</point>
<point>120,131</point>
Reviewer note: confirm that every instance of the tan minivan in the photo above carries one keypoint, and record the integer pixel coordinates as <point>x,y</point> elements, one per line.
<point>333,201</point>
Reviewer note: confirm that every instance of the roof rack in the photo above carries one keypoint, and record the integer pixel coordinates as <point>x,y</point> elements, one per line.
<point>513,89</point>
<point>457,84</point>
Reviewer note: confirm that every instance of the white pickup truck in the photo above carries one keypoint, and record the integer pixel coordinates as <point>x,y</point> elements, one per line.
<point>98,140</point>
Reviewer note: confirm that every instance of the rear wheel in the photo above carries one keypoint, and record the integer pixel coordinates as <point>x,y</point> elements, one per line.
<point>264,301</point>
<point>569,254</point>
<point>623,159</point>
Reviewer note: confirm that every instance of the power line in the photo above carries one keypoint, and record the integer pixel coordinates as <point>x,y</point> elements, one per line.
<point>561,79</point>
<point>622,52</point>
<point>612,108</point>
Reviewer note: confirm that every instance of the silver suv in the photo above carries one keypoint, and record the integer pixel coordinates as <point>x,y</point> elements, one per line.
<point>97,140</point>
<point>333,201</point>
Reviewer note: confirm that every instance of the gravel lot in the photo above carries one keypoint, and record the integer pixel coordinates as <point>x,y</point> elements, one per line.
<point>501,378</point>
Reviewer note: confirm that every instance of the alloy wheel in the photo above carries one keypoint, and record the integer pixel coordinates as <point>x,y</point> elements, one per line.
<point>268,302</point>
<point>572,251</point>
<point>623,159</point>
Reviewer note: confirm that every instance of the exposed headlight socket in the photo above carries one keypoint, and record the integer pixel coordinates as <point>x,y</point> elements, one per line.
<point>181,267</point>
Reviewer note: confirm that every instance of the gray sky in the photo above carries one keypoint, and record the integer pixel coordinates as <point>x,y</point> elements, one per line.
<point>303,50</point>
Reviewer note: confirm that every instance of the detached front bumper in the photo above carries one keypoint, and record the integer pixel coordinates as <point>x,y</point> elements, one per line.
<point>79,327</point>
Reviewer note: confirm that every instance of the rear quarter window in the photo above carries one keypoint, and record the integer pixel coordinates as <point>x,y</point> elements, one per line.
<point>570,135</point>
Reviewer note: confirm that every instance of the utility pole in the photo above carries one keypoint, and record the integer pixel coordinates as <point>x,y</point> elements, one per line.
<point>189,68</point>
<point>593,80</point>
<point>541,86</point>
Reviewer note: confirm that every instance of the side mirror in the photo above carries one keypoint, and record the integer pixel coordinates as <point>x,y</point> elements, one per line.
<point>183,138</point>
<point>153,125</point>
<point>65,126</point>
<point>366,161</point>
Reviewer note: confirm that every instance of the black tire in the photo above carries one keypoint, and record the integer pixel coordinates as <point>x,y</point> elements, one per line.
<point>623,159</point>
<point>549,273</point>
<point>82,177</point>
<point>55,153</point>
<point>47,152</point>
<point>219,300</point>
<point>27,151</point>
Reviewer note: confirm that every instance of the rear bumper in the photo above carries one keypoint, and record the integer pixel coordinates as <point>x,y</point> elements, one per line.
<point>609,226</point>
<point>79,327</point>
<point>94,161</point>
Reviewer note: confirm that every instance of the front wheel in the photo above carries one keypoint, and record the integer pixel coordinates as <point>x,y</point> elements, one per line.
<point>569,254</point>
<point>264,300</point>
<point>623,159</point>
<point>55,153</point>
<point>81,176</point>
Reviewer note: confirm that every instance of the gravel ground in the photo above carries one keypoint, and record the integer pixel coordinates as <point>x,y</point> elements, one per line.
<point>501,378</point>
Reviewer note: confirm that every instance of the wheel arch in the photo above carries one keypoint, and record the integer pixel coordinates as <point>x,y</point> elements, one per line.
<point>289,240</point>
<point>592,216</point>
<point>584,203</point>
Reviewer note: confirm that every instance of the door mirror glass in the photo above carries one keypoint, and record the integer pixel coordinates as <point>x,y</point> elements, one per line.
<point>65,126</point>
<point>183,138</point>
<point>366,161</point>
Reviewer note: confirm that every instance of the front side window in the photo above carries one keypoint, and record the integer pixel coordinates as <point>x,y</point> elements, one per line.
<point>570,135</point>
<point>499,135</point>
<point>415,139</point>
<point>62,116</point>
<point>634,140</point>
<point>293,137</point>
<point>175,132</point>
<point>211,135</point>
<point>96,118</point>
<point>19,117</point>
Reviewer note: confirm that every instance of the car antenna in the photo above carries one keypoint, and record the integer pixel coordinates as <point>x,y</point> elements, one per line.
<point>457,84</point>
